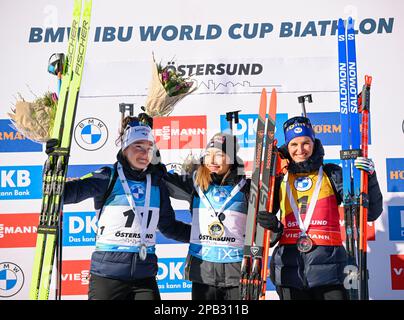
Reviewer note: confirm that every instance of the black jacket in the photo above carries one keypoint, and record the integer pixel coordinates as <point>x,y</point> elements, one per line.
<point>126,265</point>
<point>323,265</point>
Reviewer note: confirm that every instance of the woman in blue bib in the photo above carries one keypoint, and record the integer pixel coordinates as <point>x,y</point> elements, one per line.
<point>131,200</point>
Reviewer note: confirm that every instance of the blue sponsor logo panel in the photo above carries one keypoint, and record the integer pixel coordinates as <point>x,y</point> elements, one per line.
<point>395,174</point>
<point>396,223</point>
<point>246,129</point>
<point>170,276</point>
<point>13,141</point>
<point>79,228</point>
<point>20,182</point>
<point>327,127</point>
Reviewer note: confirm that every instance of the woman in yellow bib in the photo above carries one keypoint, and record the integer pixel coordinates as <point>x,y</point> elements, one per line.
<point>309,261</point>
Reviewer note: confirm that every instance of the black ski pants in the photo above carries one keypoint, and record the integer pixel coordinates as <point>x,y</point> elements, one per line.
<point>202,291</point>
<point>101,288</point>
<point>332,292</point>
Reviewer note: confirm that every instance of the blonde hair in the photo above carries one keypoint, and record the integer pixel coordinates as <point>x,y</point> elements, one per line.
<point>203,178</point>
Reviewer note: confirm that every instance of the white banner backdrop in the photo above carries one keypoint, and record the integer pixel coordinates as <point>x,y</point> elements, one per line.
<point>232,50</point>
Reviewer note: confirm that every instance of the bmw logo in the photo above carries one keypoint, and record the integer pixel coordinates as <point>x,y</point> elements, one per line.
<point>174,168</point>
<point>91,134</point>
<point>138,192</point>
<point>11,279</point>
<point>303,184</point>
<point>220,195</point>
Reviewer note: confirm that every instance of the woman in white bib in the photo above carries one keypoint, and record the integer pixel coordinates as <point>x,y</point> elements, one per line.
<point>217,191</point>
<point>132,201</point>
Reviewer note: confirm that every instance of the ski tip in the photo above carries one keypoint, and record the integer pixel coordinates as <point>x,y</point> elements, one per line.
<point>87,6</point>
<point>272,104</point>
<point>368,80</point>
<point>263,103</point>
<point>350,23</point>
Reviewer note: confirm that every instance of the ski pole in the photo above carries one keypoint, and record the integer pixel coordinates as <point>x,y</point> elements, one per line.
<point>56,64</point>
<point>123,107</point>
<point>301,100</point>
<point>229,117</point>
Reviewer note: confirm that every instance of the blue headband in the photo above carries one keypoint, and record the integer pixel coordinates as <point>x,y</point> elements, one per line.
<point>298,127</point>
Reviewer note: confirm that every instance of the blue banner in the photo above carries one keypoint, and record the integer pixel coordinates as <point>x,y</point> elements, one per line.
<point>396,223</point>
<point>79,228</point>
<point>246,129</point>
<point>13,141</point>
<point>395,174</point>
<point>22,182</point>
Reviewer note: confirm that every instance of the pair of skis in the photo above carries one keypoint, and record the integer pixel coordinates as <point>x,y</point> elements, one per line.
<point>353,188</point>
<point>55,168</point>
<point>254,266</point>
<point>364,108</point>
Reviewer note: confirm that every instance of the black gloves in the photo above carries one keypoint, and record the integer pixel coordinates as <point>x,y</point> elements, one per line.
<point>269,221</point>
<point>50,145</point>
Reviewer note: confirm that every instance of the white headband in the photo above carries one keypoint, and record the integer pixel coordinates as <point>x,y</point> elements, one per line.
<point>133,134</point>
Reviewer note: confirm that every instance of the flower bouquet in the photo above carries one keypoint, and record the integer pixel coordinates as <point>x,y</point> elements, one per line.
<point>166,89</point>
<point>191,163</point>
<point>35,119</point>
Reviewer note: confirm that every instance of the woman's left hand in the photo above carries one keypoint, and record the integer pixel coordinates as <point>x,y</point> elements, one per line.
<point>365,164</point>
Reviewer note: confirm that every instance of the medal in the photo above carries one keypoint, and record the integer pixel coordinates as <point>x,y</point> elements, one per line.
<point>142,252</point>
<point>304,243</point>
<point>216,229</point>
<point>142,219</point>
